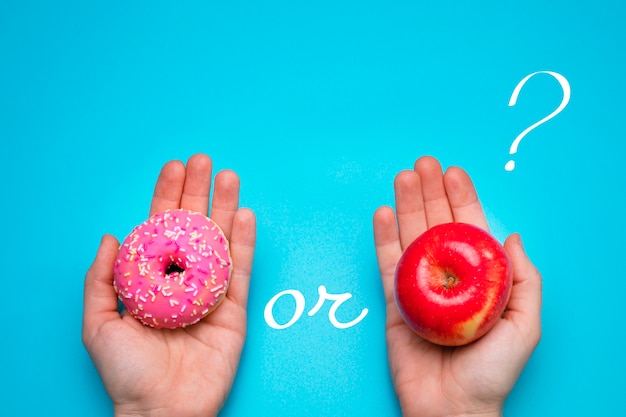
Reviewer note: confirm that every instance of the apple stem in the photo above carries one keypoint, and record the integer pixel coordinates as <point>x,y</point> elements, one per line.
<point>449,282</point>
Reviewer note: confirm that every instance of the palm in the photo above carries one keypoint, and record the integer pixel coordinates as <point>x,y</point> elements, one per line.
<point>192,364</point>
<point>185,371</point>
<point>430,378</point>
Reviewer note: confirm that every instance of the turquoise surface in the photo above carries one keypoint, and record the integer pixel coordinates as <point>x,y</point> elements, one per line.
<point>317,106</point>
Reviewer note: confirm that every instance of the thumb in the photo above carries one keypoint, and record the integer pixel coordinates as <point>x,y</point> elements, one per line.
<point>100,298</point>
<point>524,307</point>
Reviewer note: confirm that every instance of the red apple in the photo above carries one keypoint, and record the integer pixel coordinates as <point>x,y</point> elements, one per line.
<point>453,283</point>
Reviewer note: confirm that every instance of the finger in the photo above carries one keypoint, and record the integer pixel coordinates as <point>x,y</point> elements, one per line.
<point>225,200</point>
<point>242,246</point>
<point>388,248</point>
<point>524,306</point>
<point>168,188</point>
<point>466,207</point>
<point>100,298</point>
<point>436,205</point>
<point>197,185</point>
<point>410,212</point>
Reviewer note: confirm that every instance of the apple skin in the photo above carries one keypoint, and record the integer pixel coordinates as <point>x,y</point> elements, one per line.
<point>453,283</point>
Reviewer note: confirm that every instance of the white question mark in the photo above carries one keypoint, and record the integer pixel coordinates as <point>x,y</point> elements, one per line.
<point>566,96</point>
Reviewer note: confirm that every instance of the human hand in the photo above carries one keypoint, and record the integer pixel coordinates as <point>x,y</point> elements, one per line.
<point>186,371</point>
<point>471,380</point>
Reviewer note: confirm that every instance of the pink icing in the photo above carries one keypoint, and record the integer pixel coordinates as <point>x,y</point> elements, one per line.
<point>173,269</point>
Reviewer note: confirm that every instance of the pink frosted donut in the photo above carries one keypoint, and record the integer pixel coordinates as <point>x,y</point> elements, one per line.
<point>173,269</point>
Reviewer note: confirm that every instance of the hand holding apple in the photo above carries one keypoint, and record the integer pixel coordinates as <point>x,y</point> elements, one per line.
<point>435,380</point>
<point>453,283</point>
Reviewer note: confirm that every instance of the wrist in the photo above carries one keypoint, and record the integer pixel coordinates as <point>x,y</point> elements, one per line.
<point>160,412</point>
<point>133,412</point>
<point>494,413</point>
<point>464,410</point>
<point>118,413</point>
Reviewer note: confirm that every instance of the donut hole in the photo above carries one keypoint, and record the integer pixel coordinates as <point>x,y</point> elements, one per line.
<point>174,268</point>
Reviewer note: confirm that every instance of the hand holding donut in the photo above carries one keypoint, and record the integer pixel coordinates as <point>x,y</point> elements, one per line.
<point>184,371</point>
<point>475,379</point>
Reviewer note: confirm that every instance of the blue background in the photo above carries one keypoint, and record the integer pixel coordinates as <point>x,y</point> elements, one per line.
<point>317,106</point>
